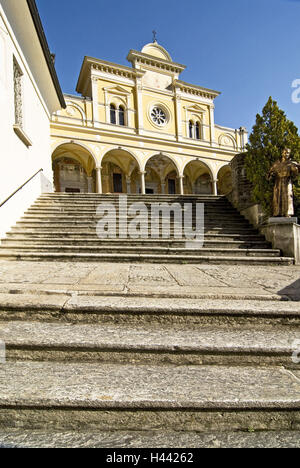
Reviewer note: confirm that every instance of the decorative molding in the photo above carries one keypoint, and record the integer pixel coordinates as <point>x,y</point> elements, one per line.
<point>114,69</point>
<point>136,57</point>
<point>227,140</point>
<point>197,90</point>
<point>76,106</point>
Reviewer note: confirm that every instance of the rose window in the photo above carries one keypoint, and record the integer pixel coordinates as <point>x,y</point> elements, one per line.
<point>158,116</point>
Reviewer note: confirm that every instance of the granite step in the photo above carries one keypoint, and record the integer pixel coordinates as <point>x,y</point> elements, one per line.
<point>92,229</point>
<point>146,397</point>
<point>96,196</point>
<point>77,307</point>
<point>66,222</point>
<point>33,241</point>
<point>150,344</point>
<point>15,438</point>
<point>94,217</point>
<point>138,250</point>
<point>143,258</point>
<point>16,233</point>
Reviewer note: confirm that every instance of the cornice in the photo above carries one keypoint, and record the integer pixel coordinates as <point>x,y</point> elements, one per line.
<point>91,64</point>
<point>197,90</point>
<point>115,69</point>
<point>138,57</point>
<point>45,48</point>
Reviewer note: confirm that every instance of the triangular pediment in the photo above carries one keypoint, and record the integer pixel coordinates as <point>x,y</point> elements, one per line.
<point>196,108</point>
<point>117,90</point>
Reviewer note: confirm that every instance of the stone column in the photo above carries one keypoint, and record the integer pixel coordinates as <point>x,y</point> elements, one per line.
<point>178,116</point>
<point>90,184</point>
<point>163,188</point>
<point>212,124</point>
<point>215,186</point>
<point>128,182</point>
<point>143,184</point>
<point>181,184</point>
<point>95,101</point>
<point>98,180</point>
<point>139,105</point>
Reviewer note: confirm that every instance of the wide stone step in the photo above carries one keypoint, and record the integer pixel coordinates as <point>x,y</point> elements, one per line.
<point>158,438</point>
<point>19,254</point>
<point>89,196</point>
<point>44,208</point>
<point>20,241</point>
<point>93,206</point>
<point>145,397</point>
<point>152,344</point>
<point>91,231</point>
<point>17,233</point>
<point>144,310</point>
<point>47,214</point>
<point>92,228</point>
<point>203,251</point>
<point>68,221</point>
<point>146,200</point>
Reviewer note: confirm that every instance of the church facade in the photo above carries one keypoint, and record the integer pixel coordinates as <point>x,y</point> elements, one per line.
<point>141,130</point>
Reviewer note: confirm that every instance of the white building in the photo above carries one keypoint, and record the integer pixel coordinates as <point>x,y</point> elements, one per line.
<point>29,94</point>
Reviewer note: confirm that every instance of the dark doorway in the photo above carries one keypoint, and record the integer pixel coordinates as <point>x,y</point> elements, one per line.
<point>117,179</point>
<point>72,190</point>
<point>171,187</point>
<point>149,191</point>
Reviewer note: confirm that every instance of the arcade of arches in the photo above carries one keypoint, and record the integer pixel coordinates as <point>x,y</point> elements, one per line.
<point>75,170</point>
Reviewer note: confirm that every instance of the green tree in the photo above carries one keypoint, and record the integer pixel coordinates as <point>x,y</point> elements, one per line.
<point>271,133</point>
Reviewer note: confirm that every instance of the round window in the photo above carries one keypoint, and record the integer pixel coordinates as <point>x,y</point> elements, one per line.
<point>159,116</point>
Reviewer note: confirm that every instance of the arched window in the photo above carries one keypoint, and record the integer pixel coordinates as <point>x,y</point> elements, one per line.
<point>198,131</point>
<point>191,129</point>
<point>113,114</point>
<point>121,115</point>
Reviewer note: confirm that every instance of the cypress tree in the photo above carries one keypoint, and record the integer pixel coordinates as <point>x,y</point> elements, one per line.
<point>271,133</point>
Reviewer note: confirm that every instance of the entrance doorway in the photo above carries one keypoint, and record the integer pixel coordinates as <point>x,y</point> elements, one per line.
<point>171,186</point>
<point>72,190</point>
<point>117,181</point>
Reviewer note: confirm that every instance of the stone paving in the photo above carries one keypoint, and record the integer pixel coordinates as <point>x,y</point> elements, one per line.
<point>240,282</point>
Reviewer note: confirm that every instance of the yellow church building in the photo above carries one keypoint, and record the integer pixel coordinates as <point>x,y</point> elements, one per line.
<point>141,130</point>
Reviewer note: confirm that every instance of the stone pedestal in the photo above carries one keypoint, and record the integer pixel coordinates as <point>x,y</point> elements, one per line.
<point>284,233</point>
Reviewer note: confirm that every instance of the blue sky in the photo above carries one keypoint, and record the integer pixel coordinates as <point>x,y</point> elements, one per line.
<point>247,49</point>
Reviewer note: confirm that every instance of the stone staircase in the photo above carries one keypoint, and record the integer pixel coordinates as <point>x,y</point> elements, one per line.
<point>62,227</point>
<point>122,368</point>
<point>143,369</point>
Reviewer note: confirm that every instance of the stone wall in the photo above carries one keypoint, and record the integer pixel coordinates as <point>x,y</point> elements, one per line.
<point>241,195</point>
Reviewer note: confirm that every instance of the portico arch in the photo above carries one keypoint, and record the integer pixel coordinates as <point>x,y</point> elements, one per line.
<point>74,168</point>
<point>120,172</point>
<point>225,180</point>
<point>198,178</point>
<point>161,175</point>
